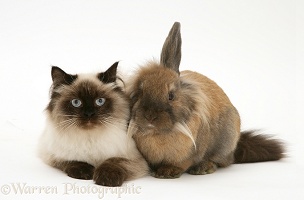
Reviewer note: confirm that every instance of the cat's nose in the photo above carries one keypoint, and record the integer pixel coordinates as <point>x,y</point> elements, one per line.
<point>89,113</point>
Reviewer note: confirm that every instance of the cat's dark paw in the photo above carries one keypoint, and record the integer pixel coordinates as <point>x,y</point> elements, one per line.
<point>203,168</point>
<point>79,170</point>
<point>110,174</point>
<point>167,172</point>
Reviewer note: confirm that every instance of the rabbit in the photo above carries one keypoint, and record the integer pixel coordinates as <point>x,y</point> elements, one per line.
<point>183,122</point>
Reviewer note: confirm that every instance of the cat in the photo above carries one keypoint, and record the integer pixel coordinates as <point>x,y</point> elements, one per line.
<point>85,134</point>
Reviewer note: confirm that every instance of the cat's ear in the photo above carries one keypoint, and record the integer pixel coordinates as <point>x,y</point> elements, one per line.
<point>59,77</point>
<point>109,76</point>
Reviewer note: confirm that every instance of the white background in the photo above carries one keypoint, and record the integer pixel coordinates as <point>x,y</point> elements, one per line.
<point>252,49</point>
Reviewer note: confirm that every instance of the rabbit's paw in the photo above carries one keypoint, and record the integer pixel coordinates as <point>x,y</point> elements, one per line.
<point>203,168</point>
<point>168,172</point>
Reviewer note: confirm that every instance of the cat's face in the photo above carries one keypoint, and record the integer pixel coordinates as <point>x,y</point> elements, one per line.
<point>87,101</point>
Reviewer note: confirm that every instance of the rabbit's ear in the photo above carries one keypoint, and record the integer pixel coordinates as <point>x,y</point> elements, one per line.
<point>171,53</point>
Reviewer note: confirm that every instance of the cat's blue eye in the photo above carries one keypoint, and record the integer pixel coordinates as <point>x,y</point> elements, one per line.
<point>76,103</point>
<point>100,101</point>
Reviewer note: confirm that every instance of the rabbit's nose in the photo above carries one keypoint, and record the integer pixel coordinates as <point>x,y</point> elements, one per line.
<point>150,117</point>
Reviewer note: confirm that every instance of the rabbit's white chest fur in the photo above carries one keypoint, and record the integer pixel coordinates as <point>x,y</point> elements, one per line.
<point>91,146</point>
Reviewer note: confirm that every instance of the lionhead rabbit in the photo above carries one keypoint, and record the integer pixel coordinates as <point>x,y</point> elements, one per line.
<point>184,122</point>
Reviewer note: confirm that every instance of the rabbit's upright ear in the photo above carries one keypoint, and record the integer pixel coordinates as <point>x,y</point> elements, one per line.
<point>171,53</point>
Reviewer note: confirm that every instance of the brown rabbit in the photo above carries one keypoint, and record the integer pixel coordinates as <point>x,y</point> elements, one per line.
<point>184,122</point>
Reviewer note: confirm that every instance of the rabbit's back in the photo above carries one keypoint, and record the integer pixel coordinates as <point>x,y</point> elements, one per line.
<point>217,98</point>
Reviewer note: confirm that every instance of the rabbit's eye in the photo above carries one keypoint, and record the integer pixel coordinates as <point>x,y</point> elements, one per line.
<point>171,96</point>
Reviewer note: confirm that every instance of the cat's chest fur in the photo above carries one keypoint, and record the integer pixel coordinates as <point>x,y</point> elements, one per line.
<point>93,146</point>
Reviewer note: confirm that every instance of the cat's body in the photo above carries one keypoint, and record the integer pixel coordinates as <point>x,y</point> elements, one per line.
<point>85,133</point>
<point>86,145</point>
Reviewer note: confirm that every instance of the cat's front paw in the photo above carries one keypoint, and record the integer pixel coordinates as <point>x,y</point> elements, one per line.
<point>110,174</point>
<point>168,171</point>
<point>79,170</point>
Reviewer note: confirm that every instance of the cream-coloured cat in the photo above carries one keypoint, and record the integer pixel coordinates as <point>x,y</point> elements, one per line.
<point>85,133</point>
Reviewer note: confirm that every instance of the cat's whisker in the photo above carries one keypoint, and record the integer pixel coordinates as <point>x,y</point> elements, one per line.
<point>63,124</point>
<point>73,124</point>
<point>120,123</point>
<point>66,124</point>
<point>63,128</point>
<point>134,127</point>
<point>113,123</point>
<point>68,115</point>
<point>106,124</point>
<point>116,124</point>
<point>65,121</point>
